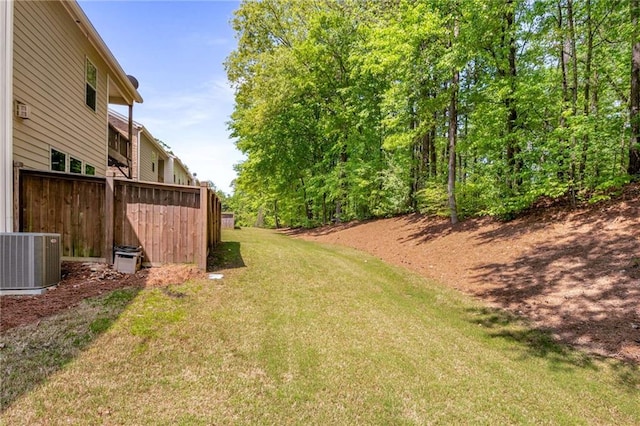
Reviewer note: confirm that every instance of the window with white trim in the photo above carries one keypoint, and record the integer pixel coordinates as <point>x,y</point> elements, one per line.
<point>63,162</point>
<point>58,161</point>
<point>75,165</point>
<point>91,84</point>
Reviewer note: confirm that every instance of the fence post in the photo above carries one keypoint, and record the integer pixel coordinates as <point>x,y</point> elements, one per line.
<point>204,222</point>
<point>219,222</point>
<point>109,217</point>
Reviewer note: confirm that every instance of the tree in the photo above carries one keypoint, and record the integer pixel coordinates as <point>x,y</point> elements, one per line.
<point>351,109</point>
<point>634,105</point>
<point>453,128</point>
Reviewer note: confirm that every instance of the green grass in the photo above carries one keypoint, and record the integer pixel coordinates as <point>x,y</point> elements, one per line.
<point>29,354</point>
<point>301,333</point>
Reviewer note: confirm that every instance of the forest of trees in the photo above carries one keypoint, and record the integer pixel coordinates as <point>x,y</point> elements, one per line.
<point>351,109</point>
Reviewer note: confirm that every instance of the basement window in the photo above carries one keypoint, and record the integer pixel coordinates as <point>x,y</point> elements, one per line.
<point>91,84</point>
<point>89,170</point>
<point>58,161</point>
<point>75,165</point>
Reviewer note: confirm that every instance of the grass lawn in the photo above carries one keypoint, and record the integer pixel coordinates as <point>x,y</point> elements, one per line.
<point>305,334</point>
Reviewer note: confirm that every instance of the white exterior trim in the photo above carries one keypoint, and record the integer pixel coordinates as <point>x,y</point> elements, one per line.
<point>106,130</point>
<point>6,115</point>
<point>138,143</point>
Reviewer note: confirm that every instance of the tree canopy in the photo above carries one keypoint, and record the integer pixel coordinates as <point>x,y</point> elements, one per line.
<point>352,109</point>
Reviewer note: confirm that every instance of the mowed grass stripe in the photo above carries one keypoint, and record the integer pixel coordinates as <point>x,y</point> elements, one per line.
<point>316,334</point>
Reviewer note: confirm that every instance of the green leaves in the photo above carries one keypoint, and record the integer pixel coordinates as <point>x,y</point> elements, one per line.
<point>341,105</point>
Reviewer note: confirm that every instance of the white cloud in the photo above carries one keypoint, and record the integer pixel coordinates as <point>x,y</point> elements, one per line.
<point>193,123</point>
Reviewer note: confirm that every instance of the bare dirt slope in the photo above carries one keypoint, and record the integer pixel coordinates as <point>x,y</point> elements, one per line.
<point>575,272</point>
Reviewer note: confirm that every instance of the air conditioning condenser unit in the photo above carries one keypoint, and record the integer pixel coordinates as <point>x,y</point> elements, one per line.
<point>29,262</point>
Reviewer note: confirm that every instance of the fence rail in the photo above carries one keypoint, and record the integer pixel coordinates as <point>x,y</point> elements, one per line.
<point>172,224</point>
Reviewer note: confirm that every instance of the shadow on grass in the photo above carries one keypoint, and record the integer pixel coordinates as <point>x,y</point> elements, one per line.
<point>29,354</point>
<point>41,334</point>
<point>226,255</point>
<point>540,343</point>
<point>62,323</point>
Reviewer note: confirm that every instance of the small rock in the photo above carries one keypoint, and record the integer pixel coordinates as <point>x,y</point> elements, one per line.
<point>635,326</point>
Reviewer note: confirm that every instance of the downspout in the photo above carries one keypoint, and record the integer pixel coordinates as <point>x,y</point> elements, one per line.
<point>6,116</point>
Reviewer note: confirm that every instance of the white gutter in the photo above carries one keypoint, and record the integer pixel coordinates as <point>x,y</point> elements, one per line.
<point>6,116</point>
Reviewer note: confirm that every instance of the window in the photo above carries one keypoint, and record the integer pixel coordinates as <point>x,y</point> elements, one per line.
<point>58,161</point>
<point>75,165</point>
<point>91,80</point>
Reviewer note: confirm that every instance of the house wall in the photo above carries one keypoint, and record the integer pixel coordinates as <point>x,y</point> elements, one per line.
<point>181,175</point>
<point>49,76</point>
<point>150,160</point>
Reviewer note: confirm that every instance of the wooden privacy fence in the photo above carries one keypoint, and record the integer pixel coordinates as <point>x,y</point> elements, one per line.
<point>172,224</point>
<point>228,220</point>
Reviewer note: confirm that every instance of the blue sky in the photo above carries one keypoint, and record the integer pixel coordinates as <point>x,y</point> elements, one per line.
<point>176,50</point>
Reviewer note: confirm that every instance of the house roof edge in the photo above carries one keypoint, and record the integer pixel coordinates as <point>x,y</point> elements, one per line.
<point>78,15</point>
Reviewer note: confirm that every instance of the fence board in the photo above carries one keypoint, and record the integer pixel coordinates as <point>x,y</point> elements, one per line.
<point>228,220</point>
<point>92,216</point>
<point>72,206</point>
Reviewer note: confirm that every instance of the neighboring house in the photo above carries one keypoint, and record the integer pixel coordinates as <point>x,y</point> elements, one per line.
<point>150,161</point>
<point>180,172</point>
<point>57,78</point>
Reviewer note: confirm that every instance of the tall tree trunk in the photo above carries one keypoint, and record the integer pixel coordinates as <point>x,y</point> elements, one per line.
<point>587,91</point>
<point>275,213</point>
<point>634,104</point>
<point>573,55</point>
<point>595,106</point>
<point>324,208</point>
<point>513,150</point>
<point>453,133</point>
<point>564,68</point>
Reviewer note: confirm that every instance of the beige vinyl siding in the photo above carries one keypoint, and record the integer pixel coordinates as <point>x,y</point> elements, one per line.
<point>182,177</point>
<point>147,148</point>
<point>49,76</point>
